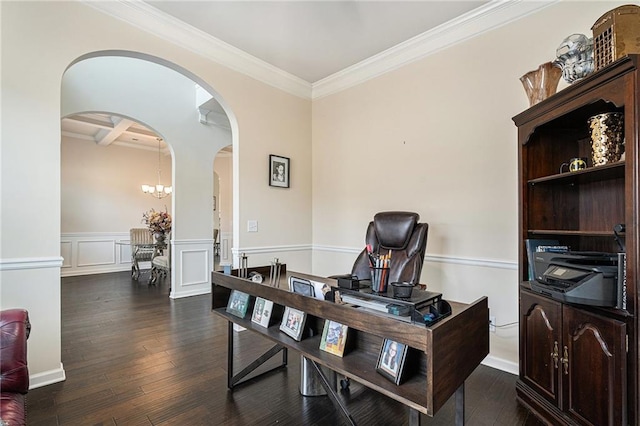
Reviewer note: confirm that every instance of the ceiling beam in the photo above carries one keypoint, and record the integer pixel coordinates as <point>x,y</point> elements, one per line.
<point>90,121</point>
<point>104,137</point>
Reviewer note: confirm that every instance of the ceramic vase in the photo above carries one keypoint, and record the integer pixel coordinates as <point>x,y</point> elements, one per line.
<point>607,137</point>
<point>159,237</point>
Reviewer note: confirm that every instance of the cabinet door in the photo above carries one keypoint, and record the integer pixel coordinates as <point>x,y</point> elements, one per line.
<point>594,368</point>
<point>540,325</point>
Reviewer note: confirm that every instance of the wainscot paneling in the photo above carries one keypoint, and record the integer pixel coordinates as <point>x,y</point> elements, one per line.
<point>87,253</point>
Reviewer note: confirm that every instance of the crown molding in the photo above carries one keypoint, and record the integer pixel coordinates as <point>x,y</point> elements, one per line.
<point>494,14</point>
<point>147,18</point>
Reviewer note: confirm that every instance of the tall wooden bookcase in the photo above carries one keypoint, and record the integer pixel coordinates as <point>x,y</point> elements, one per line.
<point>579,364</point>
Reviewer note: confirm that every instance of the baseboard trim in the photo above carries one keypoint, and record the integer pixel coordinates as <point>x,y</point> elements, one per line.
<point>502,364</point>
<point>47,378</point>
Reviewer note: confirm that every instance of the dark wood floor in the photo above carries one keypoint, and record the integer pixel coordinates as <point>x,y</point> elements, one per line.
<point>133,356</point>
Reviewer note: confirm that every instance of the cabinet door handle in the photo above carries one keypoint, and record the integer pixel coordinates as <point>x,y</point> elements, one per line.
<point>554,354</point>
<point>565,360</point>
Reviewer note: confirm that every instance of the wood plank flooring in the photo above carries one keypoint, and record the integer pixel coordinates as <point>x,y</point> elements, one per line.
<point>132,356</point>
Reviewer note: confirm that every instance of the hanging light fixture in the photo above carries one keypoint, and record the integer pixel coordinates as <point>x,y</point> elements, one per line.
<point>159,191</point>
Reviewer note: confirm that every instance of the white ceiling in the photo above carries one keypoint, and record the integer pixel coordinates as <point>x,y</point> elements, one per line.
<point>314,39</point>
<point>308,39</point>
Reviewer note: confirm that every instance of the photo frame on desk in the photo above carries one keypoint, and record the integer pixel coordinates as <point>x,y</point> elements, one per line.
<point>301,286</point>
<point>278,171</point>
<point>334,337</point>
<point>238,303</point>
<point>262,311</point>
<point>391,360</point>
<point>293,322</point>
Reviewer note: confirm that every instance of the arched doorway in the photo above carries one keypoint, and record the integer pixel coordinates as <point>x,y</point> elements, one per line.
<point>160,95</point>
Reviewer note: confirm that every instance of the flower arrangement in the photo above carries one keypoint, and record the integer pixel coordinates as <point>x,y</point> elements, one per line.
<point>158,222</point>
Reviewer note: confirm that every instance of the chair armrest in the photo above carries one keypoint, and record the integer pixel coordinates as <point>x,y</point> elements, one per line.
<point>14,332</point>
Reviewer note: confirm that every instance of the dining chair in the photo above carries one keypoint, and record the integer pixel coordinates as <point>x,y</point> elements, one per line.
<point>161,263</point>
<point>138,238</point>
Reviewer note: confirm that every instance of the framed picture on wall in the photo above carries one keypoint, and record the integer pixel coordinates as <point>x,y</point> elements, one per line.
<point>278,171</point>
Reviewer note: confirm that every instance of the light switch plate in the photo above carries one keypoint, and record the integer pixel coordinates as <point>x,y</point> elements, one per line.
<point>252,226</point>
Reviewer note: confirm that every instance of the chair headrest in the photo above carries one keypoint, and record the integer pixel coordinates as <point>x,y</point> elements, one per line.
<point>394,229</point>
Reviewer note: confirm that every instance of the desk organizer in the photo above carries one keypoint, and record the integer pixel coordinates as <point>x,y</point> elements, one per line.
<point>433,313</point>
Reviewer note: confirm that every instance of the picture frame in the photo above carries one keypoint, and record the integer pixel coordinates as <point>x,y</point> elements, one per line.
<point>391,360</point>
<point>238,303</point>
<point>334,337</point>
<point>293,322</point>
<point>279,171</point>
<point>262,310</point>
<point>301,286</point>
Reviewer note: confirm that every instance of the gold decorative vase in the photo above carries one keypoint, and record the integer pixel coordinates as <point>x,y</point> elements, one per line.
<point>541,83</point>
<point>607,137</point>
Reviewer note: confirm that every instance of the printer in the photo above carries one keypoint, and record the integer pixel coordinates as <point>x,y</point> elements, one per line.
<point>587,278</point>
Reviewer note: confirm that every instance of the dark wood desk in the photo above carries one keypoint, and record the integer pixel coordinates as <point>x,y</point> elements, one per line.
<point>445,353</point>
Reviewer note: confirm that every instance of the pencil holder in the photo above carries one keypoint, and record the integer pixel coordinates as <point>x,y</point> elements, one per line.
<point>379,279</point>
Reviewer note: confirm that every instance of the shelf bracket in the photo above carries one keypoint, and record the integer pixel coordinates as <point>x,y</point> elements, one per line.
<point>235,380</point>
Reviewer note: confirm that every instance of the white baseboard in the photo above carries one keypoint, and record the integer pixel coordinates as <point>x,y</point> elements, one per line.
<point>502,364</point>
<point>47,378</point>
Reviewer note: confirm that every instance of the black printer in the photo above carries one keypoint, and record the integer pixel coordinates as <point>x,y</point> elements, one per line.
<point>587,278</point>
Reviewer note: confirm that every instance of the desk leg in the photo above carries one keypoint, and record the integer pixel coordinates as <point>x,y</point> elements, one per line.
<point>230,355</point>
<point>460,405</point>
<point>414,417</point>
<point>234,379</point>
<point>331,393</point>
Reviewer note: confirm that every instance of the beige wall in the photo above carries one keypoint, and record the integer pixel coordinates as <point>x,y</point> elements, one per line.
<point>39,41</point>
<point>436,137</point>
<point>100,186</point>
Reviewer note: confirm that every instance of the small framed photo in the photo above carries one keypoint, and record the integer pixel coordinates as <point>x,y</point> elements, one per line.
<point>334,337</point>
<point>262,311</point>
<point>301,286</point>
<point>278,171</point>
<point>391,360</point>
<point>293,322</point>
<point>238,303</point>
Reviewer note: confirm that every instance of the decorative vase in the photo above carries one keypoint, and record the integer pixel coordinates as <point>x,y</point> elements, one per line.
<point>575,57</point>
<point>160,237</point>
<point>541,83</point>
<point>607,140</point>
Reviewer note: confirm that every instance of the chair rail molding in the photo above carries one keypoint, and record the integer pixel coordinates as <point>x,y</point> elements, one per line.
<point>12,264</point>
<point>468,261</point>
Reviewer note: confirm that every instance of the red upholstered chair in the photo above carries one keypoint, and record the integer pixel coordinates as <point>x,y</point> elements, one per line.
<point>400,233</point>
<point>14,374</point>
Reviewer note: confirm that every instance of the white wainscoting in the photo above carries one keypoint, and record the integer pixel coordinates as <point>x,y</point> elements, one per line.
<point>87,253</point>
<point>191,266</point>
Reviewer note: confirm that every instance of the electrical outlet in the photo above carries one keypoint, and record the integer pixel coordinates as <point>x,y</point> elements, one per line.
<point>492,324</point>
<point>252,226</point>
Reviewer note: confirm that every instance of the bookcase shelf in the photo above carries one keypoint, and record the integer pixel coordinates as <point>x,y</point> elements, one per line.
<point>560,342</point>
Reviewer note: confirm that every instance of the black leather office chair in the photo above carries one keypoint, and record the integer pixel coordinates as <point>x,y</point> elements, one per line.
<point>400,233</point>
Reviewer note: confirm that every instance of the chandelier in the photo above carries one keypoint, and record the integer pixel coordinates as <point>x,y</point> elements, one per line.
<point>159,191</point>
